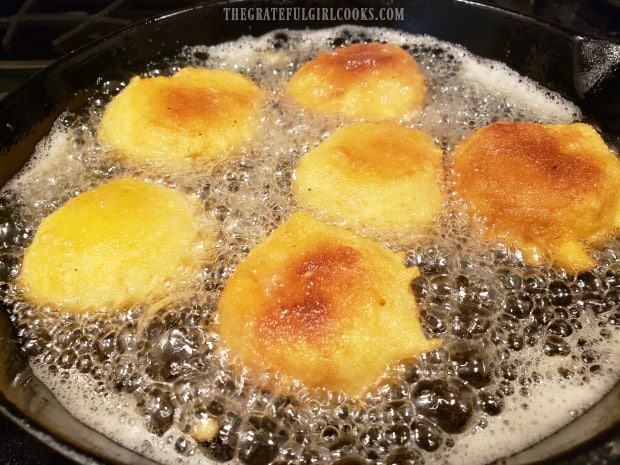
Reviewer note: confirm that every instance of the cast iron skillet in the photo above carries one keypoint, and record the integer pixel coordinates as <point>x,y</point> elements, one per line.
<point>585,70</point>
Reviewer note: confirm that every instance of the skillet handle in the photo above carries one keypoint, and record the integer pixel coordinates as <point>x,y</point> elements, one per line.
<point>597,79</point>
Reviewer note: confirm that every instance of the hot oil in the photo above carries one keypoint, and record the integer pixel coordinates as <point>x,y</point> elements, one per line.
<point>525,349</point>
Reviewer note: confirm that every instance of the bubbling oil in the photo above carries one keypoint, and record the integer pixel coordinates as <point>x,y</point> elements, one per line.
<point>525,349</point>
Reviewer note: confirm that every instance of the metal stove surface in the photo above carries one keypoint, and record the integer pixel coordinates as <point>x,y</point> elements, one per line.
<point>34,33</point>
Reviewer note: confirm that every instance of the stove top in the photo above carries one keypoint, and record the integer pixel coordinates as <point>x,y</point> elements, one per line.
<point>34,33</point>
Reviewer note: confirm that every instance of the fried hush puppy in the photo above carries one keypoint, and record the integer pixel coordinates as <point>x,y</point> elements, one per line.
<point>380,176</point>
<point>319,304</point>
<point>371,81</point>
<point>121,243</point>
<point>197,113</point>
<point>551,191</point>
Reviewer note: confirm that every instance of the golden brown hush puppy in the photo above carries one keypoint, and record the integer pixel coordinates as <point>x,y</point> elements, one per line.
<point>121,243</point>
<point>381,176</point>
<point>195,114</point>
<point>322,305</point>
<point>371,81</point>
<point>550,191</point>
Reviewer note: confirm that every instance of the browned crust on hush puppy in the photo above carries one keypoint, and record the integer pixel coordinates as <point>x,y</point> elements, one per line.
<point>378,178</point>
<point>373,81</point>
<point>321,305</point>
<point>195,114</point>
<point>549,190</point>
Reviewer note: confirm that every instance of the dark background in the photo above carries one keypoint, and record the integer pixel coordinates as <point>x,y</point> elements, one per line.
<point>36,32</point>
